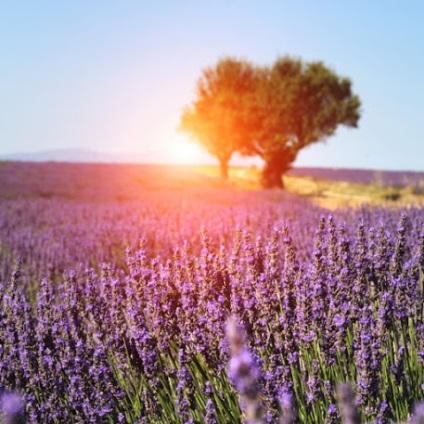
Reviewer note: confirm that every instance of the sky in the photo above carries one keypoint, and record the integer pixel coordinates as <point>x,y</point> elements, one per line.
<point>114,76</point>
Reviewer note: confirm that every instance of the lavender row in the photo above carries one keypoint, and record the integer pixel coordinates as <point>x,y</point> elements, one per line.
<point>144,341</point>
<point>51,236</point>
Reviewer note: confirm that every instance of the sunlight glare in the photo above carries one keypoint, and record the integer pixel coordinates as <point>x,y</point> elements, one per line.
<point>184,151</point>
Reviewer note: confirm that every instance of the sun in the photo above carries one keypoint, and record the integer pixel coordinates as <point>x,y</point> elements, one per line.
<point>185,151</point>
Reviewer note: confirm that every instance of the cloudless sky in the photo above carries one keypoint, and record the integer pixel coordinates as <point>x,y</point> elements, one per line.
<point>113,76</point>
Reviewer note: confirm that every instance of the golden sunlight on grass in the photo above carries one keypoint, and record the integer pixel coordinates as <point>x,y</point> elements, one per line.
<point>337,194</point>
<point>324,193</point>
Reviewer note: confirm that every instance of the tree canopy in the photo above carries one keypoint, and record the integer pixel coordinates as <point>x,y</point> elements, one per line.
<point>272,112</point>
<point>218,118</point>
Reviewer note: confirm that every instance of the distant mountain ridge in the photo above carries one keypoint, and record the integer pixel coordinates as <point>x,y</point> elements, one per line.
<point>93,156</point>
<point>75,155</point>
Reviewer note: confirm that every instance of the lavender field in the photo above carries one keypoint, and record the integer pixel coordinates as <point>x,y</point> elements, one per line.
<point>154,295</point>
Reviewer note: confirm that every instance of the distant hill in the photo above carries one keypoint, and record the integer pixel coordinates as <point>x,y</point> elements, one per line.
<point>76,155</point>
<point>92,156</point>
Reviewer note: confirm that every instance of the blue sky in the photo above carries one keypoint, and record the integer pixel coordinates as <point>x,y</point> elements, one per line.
<point>113,76</point>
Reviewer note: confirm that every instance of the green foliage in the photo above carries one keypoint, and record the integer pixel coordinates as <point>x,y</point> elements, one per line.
<point>273,112</point>
<point>218,118</point>
<point>159,404</point>
<point>399,396</point>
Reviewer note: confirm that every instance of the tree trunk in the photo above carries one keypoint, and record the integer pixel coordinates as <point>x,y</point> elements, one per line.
<point>223,166</point>
<point>275,167</point>
<point>272,178</point>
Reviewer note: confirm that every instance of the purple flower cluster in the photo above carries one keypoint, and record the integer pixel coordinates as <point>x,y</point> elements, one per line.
<point>10,408</point>
<point>117,312</point>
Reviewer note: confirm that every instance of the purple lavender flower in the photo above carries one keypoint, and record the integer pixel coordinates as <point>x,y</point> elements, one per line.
<point>418,415</point>
<point>10,408</point>
<point>244,373</point>
<point>346,400</point>
<point>288,408</point>
<point>210,415</point>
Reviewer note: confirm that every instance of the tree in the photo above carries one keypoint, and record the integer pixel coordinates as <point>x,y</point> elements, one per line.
<point>273,112</point>
<point>218,118</point>
<point>296,105</point>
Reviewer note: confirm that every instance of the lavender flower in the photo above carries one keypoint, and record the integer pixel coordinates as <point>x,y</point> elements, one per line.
<point>418,415</point>
<point>10,408</point>
<point>346,400</point>
<point>91,334</point>
<point>244,373</point>
<point>288,408</point>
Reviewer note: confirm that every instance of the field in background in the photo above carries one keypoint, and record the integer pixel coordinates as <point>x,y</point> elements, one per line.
<point>362,176</point>
<point>116,282</point>
<point>124,182</point>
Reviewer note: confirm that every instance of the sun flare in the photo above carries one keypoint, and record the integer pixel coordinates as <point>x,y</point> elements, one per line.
<point>184,151</point>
